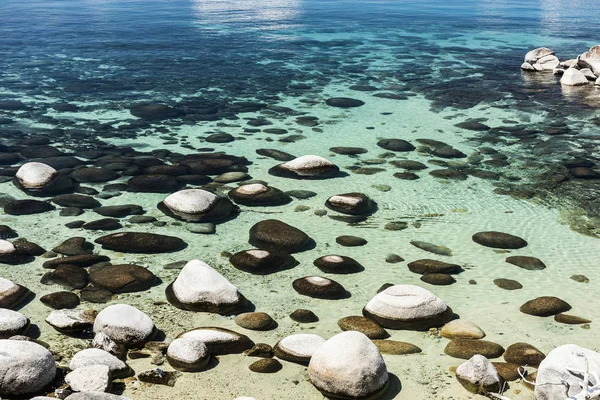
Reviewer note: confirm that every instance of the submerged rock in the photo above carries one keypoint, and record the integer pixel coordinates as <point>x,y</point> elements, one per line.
<point>304,316</point>
<point>364,325</point>
<point>188,354</point>
<point>352,204</point>
<point>219,341</point>
<point>329,370</point>
<point>396,348</point>
<point>276,235</point>
<point>529,263</point>
<point>320,288</point>
<point>344,102</point>
<point>12,323</point>
<point>124,278</point>
<point>141,242</point>
<point>499,240</point>
<point>460,329</point>
<point>523,354</point>
<point>257,194</point>
<point>467,348</point>
<point>197,205</point>
<point>334,264</point>
<point>266,366</point>
<point>306,167</point>
<point>428,266</point>
<point>432,248</point>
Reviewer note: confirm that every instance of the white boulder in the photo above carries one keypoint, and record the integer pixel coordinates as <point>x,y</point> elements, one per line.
<point>188,354</point>
<point>199,287</point>
<point>12,323</point>
<point>124,324</point>
<point>479,376</point>
<point>591,59</point>
<point>219,340</point>
<point>408,307</point>
<point>191,201</point>
<point>35,175</point>
<point>573,77</point>
<point>25,367</point>
<point>349,366</point>
<point>306,167</point>
<point>555,381</point>
<point>298,348</point>
<point>91,357</point>
<point>534,55</point>
<point>547,63</point>
<point>95,378</point>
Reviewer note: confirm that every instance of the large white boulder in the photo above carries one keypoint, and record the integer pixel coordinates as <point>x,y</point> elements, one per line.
<point>124,324</point>
<point>35,175</point>
<point>408,307</point>
<point>479,376</point>
<point>573,77</point>
<point>188,354</point>
<point>93,357</point>
<point>25,367</point>
<point>298,348</point>
<point>95,378</point>
<point>348,366</point>
<point>547,63</point>
<point>12,323</point>
<point>199,287</point>
<point>555,381</point>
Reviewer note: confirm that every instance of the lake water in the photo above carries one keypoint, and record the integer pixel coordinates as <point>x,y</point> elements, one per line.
<point>262,71</point>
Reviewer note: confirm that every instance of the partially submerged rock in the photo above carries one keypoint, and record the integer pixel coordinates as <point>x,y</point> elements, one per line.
<point>219,341</point>
<point>198,205</point>
<point>306,167</point>
<point>479,376</point>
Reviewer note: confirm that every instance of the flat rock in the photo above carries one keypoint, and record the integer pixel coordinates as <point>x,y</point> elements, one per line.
<point>523,354</point>
<point>74,246</point>
<point>394,347</point>
<point>304,316</point>
<point>350,241</point>
<point>432,248</point>
<point>124,278</point>
<point>334,264</point>
<point>570,319</point>
<point>256,321</point>
<point>507,284</point>
<point>60,300</point>
<point>261,262</point>
<point>467,348</point>
<point>529,263</point>
<point>91,357</point>
<point>71,321</point>
<point>427,266</point>
<point>141,242</point>
<point>266,366</point>
<point>125,324</point>
<point>361,324</point>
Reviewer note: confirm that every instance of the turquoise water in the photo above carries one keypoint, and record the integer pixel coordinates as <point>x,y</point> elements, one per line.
<point>71,72</point>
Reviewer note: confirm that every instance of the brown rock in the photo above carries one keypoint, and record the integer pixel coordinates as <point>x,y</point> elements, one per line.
<point>361,324</point>
<point>467,348</point>
<point>523,354</point>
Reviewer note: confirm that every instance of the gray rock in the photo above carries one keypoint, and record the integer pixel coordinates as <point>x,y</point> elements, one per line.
<point>479,376</point>
<point>25,367</point>
<point>95,378</point>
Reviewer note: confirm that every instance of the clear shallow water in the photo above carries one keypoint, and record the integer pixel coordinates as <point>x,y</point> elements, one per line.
<point>444,62</point>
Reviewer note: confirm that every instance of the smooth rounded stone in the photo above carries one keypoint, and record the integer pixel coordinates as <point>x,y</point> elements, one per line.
<point>394,347</point>
<point>396,226</point>
<point>153,183</point>
<point>393,258</point>
<point>407,176</point>
<point>35,175</point>
<point>12,323</point>
<point>90,357</point>
<point>120,211</point>
<point>94,175</point>
<point>351,204</point>
<point>95,378</point>
<point>395,145</point>
<point>266,366</point>
<point>257,194</point>
<point>203,228</point>
<point>68,276</point>
<point>344,102</point>
<point>407,307</point>
<point>230,177</point>
<point>125,324</point>
<point>467,348</point>
<point>523,354</point>
<point>534,55</point>
<point>74,246</point>
<point>499,240</point>
<point>220,138</point>
<point>261,262</point>
<point>350,241</point>
<point>580,278</point>
<point>188,354</point>
<point>449,174</point>
<point>334,264</point>
<point>508,372</point>
<point>260,350</point>
<point>507,284</point>
<point>104,224</point>
<point>555,381</point>
<point>6,232</point>
<point>478,375</point>
<point>155,111</point>
<point>10,255</point>
<point>12,294</point>
<point>348,151</point>
<point>298,348</point>
<point>529,263</point>
<point>75,224</point>
<point>437,279</point>
<point>361,324</point>
<point>428,266</point>
<point>432,248</point>
<point>570,319</point>
<point>25,367</point>
<point>27,207</point>
<point>141,219</point>
<point>275,235</point>
<point>141,242</point>
<point>448,152</point>
<point>96,295</point>
<point>197,205</point>
<point>199,287</point>
<point>304,316</point>
<point>124,278</point>
<point>584,173</point>
<point>75,200</point>
<point>256,321</point>
<point>348,366</point>
<point>275,154</point>
<point>320,288</point>
<point>409,165</point>
<point>219,341</point>
<point>71,321</point>
<point>301,194</point>
<point>95,396</point>
<point>460,329</point>
<point>82,260</point>
<point>60,300</point>
<point>306,167</point>
<point>573,77</point>
<point>545,306</point>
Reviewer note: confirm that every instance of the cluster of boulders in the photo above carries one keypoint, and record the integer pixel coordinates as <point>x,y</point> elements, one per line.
<point>574,72</point>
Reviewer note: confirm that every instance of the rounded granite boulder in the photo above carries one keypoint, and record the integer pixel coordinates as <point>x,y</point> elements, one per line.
<point>188,354</point>
<point>407,307</point>
<point>499,240</point>
<point>306,167</point>
<point>12,323</point>
<point>352,204</point>
<point>261,262</point>
<point>334,264</point>
<point>320,288</point>
<point>275,235</point>
<point>197,205</point>
<point>257,194</point>
<point>298,348</point>
<point>12,294</point>
<point>124,278</point>
<point>125,324</point>
<point>25,368</point>
<point>35,175</point>
<point>141,242</point>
